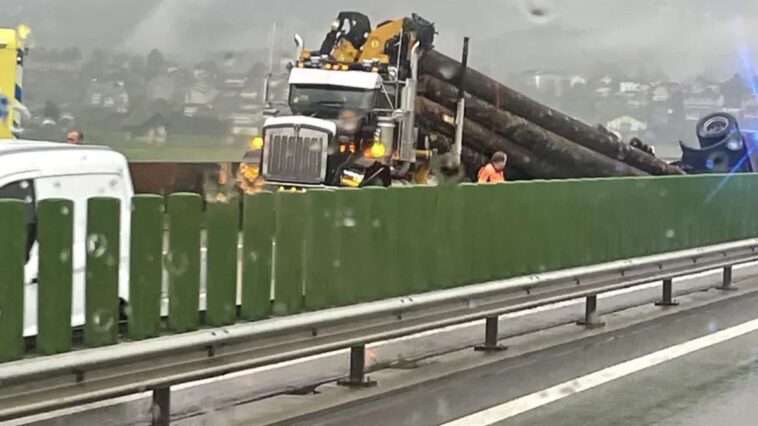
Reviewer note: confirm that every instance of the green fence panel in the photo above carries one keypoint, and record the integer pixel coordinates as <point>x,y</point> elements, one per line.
<point>182,262</point>
<point>102,276</point>
<point>223,237</point>
<point>506,207</point>
<point>375,284</point>
<point>55,229</point>
<point>13,246</point>
<point>289,260</point>
<point>257,255</point>
<point>410,275</point>
<point>145,267</point>
<point>320,250</point>
<point>399,281</point>
<point>470,249</point>
<point>425,239</point>
<point>480,225</point>
<point>450,252</point>
<point>352,244</point>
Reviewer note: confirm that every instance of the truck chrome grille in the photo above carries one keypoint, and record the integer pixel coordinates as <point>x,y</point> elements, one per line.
<point>298,157</point>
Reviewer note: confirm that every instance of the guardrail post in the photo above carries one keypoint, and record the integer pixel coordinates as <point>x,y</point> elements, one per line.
<point>666,298</point>
<point>591,319</point>
<point>727,284</point>
<point>162,406</point>
<point>357,378</point>
<point>490,337</point>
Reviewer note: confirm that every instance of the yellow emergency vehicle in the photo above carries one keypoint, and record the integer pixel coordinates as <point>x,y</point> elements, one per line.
<point>12,53</point>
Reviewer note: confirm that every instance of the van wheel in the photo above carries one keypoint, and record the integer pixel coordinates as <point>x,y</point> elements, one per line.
<point>123,313</point>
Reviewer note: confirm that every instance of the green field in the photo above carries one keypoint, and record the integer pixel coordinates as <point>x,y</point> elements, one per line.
<point>175,149</point>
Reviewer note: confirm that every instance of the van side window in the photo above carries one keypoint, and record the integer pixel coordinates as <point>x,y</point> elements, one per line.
<point>24,190</point>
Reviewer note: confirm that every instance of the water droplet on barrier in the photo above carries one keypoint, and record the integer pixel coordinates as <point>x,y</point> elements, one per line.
<point>279,308</point>
<point>253,255</point>
<point>376,223</point>
<point>102,321</point>
<point>97,245</point>
<point>156,412</point>
<point>176,264</point>
<point>65,211</point>
<point>670,234</point>
<point>539,12</point>
<point>65,255</point>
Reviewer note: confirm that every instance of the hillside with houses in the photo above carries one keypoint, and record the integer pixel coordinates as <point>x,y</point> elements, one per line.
<point>153,100</point>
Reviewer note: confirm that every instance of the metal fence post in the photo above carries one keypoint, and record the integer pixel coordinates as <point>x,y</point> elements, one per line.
<point>591,319</point>
<point>727,284</point>
<point>162,406</point>
<point>357,378</point>
<point>490,337</point>
<point>666,297</point>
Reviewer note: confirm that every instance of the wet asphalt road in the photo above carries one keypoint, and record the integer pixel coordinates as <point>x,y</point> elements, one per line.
<point>715,386</point>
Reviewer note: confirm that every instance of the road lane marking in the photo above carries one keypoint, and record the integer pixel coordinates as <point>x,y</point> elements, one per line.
<point>543,397</point>
<point>230,376</point>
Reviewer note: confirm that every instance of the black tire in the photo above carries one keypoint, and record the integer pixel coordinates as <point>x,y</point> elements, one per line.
<point>123,310</point>
<point>714,128</point>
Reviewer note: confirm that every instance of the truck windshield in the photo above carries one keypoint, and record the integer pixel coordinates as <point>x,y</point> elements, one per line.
<point>325,101</point>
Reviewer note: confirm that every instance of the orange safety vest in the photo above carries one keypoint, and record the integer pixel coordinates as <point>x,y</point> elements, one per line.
<point>488,174</point>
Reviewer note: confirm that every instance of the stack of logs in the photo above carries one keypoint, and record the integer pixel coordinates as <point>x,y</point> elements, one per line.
<point>541,143</point>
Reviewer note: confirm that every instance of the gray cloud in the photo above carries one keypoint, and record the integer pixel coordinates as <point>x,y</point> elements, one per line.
<point>683,37</point>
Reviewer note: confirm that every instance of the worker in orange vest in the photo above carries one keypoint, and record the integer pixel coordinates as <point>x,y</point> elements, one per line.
<point>494,172</point>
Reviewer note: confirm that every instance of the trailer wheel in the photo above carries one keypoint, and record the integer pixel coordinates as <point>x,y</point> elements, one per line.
<point>714,128</point>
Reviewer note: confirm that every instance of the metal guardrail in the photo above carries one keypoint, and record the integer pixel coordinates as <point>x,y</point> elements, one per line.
<point>53,382</point>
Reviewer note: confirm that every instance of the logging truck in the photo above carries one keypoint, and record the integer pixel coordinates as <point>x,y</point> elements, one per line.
<point>373,105</point>
<point>352,105</point>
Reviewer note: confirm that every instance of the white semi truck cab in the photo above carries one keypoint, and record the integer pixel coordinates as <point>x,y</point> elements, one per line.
<point>352,119</point>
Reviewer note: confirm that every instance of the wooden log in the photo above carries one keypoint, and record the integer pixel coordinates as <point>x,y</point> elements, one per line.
<point>502,97</point>
<point>482,140</point>
<point>547,145</point>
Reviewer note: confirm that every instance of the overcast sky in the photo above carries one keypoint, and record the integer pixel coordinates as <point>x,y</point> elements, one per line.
<point>683,37</point>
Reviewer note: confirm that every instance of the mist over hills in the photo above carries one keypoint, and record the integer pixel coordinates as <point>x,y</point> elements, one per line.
<point>682,37</point>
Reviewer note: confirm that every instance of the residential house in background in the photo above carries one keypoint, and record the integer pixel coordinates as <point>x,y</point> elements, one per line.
<point>626,127</point>
<point>149,124</point>
<point>199,98</point>
<point>702,100</point>
<point>108,95</point>
<point>545,81</point>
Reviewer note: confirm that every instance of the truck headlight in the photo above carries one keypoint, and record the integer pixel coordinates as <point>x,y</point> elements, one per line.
<point>256,143</point>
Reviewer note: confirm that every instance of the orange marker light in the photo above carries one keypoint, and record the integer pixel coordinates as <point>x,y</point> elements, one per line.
<point>256,143</point>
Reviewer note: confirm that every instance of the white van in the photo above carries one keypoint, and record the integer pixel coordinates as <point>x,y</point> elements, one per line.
<point>35,171</point>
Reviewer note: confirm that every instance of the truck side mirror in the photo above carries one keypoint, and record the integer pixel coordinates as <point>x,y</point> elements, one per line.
<point>300,43</point>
